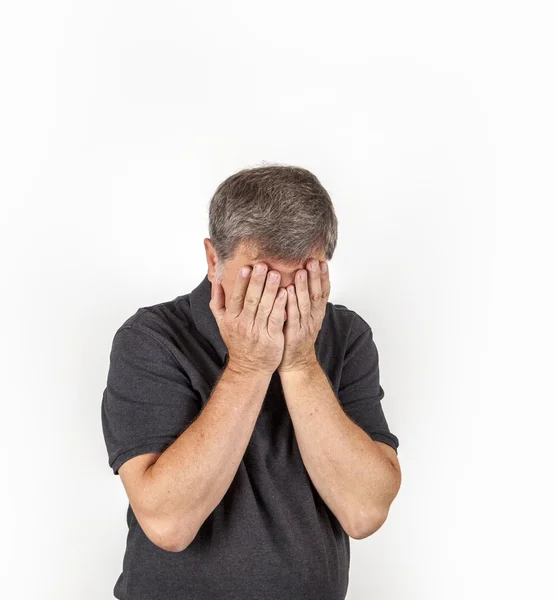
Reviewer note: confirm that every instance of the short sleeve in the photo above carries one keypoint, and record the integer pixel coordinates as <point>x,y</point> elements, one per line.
<point>360,392</point>
<point>148,400</point>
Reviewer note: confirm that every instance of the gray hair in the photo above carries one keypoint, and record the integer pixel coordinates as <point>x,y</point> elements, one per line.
<point>276,211</point>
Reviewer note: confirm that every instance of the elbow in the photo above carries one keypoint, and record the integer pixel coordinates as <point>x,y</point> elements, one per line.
<point>370,520</point>
<point>367,524</point>
<point>171,546</point>
<point>171,543</point>
<point>170,536</point>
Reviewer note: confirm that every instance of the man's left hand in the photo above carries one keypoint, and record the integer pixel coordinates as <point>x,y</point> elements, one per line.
<point>306,307</point>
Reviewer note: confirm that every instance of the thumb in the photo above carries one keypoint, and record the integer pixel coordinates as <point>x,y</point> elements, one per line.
<point>217,300</point>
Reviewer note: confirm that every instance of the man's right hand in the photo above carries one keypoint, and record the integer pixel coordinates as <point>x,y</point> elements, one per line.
<point>251,324</point>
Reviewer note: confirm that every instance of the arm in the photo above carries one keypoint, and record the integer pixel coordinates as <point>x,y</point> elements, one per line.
<point>351,472</point>
<point>355,476</point>
<point>174,495</point>
<point>177,459</point>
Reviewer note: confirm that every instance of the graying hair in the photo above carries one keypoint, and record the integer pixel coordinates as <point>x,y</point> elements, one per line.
<point>277,211</point>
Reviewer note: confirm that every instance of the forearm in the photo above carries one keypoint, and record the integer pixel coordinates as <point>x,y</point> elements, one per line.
<point>350,472</point>
<point>191,476</point>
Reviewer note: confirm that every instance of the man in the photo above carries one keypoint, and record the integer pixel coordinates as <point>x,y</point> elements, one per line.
<point>245,418</point>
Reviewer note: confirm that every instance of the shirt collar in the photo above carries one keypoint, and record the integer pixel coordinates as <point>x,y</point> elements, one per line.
<point>204,319</point>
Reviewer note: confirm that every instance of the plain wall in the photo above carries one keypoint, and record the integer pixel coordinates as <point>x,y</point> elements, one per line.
<point>432,126</point>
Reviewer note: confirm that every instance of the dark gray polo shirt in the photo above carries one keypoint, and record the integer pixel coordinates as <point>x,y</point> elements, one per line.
<point>271,537</point>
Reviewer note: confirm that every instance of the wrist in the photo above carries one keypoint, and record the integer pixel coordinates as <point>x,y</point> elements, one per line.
<point>301,368</point>
<point>244,371</point>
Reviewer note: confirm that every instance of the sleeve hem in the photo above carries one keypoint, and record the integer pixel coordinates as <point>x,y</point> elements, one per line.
<point>387,439</point>
<point>161,343</point>
<point>122,457</point>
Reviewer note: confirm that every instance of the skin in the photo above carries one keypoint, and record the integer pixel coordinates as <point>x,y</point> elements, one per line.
<point>302,316</point>
<point>356,476</point>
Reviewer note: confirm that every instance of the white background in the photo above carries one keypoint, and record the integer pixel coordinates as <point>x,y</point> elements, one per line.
<point>431,124</point>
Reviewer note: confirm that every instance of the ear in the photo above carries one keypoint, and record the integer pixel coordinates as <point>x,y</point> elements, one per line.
<point>212,259</point>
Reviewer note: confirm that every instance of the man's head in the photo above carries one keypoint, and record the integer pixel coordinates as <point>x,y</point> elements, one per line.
<point>280,215</point>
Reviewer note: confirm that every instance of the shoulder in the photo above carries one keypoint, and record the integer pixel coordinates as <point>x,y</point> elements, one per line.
<point>160,324</point>
<point>345,321</point>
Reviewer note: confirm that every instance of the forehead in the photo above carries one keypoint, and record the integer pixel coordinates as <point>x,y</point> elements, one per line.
<point>286,267</point>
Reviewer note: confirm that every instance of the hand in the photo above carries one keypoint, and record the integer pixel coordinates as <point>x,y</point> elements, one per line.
<point>252,323</point>
<point>305,312</point>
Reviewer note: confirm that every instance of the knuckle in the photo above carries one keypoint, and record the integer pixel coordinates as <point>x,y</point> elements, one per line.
<point>251,301</point>
<point>274,319</point>
<point>263,309</point>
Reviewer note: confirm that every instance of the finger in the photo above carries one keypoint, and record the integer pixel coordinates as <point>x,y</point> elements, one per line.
<point>324,282</point>
<point>277,314</point>
<point>267,300</point>
<point>216,303</point>
<point>253,292</point>
<point>235,302</point>
<point>292,308</point>
<point>302,294</point>
<point>315,287</point>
